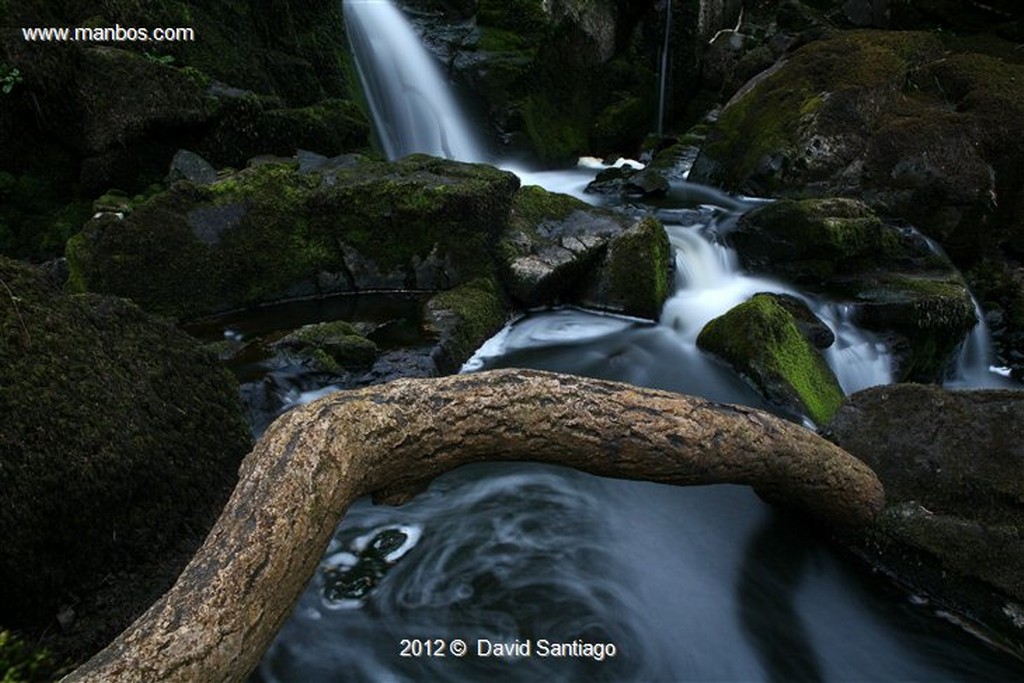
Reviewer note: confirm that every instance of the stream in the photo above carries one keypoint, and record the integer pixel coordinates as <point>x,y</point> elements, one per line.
<point>683,584</point>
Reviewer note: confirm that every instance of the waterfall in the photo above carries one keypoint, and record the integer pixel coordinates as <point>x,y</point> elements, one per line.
<point>973,367</point>
<point>410,101</point>
<point>858,358</point>
<point>663,77</point>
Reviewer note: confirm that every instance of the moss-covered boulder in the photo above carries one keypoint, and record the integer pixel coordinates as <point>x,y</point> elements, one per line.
<point>559,250</point>
<point>761,340</point>
<point>463,318</point>
<point>83,116</point>
<point>900,284</point>
<point>952,464</point>
<point>277,231</point>
<point>927,130</point>
<point>330,346</point>
<point>119,437</point>
<point>635,276</point>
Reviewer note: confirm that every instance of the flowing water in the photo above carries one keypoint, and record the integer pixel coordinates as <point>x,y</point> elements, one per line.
<point>687,584</point>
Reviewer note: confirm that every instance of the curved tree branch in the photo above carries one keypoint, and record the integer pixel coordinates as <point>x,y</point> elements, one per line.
<point>216,621</point>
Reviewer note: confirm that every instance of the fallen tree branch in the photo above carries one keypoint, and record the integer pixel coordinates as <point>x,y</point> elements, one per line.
<point>216,621</point>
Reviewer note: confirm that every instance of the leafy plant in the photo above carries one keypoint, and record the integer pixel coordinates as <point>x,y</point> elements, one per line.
<point>20,661</point>
<point>159,59</point>
<point>9,77</point>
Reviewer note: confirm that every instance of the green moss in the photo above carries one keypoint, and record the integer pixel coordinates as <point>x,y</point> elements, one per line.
<point>20,662</point>
<point>557,134</point>
<point>146,425</point>
<point>467,316</point>
<point>638,268</point>
<point>332,345</point>
<point>760,339</point>
<point>269,232</point>
<point>760,129</point>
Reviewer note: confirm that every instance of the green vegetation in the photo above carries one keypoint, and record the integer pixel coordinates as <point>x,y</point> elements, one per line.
<point>146,425</point>
<point>761,340</point>
<point>9,77</point>
<point>465,316</point>
<point>20,662</point>
<point>638,266</point>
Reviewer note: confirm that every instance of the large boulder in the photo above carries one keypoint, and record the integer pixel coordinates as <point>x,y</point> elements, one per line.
<point>277,231</point>
<point>762,340</point>
<point>925,130</point>
<point>559,250</point>
<point>119,438</point>
<point>952,464</point>
<point>83,117</point>
<point>901,286</point>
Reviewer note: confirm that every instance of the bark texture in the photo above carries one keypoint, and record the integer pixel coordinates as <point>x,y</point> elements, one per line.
<point>391,440</point>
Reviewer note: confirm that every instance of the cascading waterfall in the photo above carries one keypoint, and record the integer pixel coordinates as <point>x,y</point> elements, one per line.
<point>663,75</point>
<point>410,101</point>
<point>689,584</point>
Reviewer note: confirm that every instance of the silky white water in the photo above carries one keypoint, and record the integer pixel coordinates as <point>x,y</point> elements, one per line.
<point>703,584</point>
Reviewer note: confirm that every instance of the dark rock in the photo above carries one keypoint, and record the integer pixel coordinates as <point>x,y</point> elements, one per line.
<point>952,464</point>
<point>900,285</point>
<point>893,117</point>
<point>629,182</point>
<point>635,276</point>
<point>560,250</point>
<point>462,319</point>
<point>119,438</point>
<point>190,166</point>
<point>761,340</point>
<point>811,326</point>
<point>270,232</point>
<point>330,346</point>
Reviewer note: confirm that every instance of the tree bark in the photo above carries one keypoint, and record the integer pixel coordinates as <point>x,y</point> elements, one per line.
<point>216,621</point>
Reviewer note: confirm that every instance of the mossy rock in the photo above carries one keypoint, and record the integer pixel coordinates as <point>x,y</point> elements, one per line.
<point>463,318</point>
<point>560,250</point>
<point>951,464</point>
<point>893,117</point>
<point>761,340</point>
<point>635,276</point>
<point>251,127</point>
<point>331,346</point>
<point>274,231</point>
<point>119,437</point>
<point>811,241</point>
<point>553,242</point>
<point>901,286</point>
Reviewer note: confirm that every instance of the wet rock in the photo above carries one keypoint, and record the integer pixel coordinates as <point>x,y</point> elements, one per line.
<point>560,250</point>
<point>811,326</point>
<point>462,319</point>
<point>901,286</point>
<point>892,117</point>
<point>271,232</point>
<point>629,183</point>
<point>952,464</point>
<point>330,346</point>
<point>190,166</point>
<point>761,340</point>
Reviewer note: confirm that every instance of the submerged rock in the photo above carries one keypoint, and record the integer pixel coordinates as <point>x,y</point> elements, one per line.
<point>761,340</point>
<point>119,439</point>
<point>900,285</point>
<point>952,464</point>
